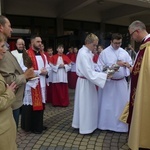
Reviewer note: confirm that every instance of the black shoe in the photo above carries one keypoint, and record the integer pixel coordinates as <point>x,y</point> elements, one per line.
<point>37,132</point>
<point>44,128</point>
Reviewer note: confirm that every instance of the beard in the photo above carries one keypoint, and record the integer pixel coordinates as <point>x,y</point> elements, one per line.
<point>36,48</point>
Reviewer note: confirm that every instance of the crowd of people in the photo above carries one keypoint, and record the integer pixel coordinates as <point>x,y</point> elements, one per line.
<point>30,78</point>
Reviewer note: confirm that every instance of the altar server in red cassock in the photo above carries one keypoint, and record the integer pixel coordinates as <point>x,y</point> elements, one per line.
<point>72,79</point>
<point>60,64</point>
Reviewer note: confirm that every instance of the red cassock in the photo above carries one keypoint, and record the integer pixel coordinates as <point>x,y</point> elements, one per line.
<point>95,58</point>
<point>60,95</point>
<point>72,76</point>
<point>59,91</point>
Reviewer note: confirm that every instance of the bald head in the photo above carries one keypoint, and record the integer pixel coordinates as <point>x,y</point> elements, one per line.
<point>20,44</point>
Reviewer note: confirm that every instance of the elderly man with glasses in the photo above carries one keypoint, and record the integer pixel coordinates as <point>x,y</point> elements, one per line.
<point>139,106</point>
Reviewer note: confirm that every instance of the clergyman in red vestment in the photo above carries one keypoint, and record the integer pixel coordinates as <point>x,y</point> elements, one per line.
<point>139,106</point>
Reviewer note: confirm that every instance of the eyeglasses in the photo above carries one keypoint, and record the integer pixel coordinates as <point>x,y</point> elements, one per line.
<point>133,32</point>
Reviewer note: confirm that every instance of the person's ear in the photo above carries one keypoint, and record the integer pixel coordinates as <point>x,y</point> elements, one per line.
<point>1,28</point>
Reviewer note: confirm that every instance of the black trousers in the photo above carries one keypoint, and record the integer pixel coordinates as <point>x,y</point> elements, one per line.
<point>31,120</point>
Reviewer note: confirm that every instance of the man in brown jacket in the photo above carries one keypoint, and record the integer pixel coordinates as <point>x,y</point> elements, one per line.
<point>11,70</point>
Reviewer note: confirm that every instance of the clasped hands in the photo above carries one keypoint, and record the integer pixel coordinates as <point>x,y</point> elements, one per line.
<point>44,72</point>
<point>12,86</point>
<point>61,66</point>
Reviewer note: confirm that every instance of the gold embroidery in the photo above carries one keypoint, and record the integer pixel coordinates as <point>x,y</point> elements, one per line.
<point>37,98</point>
<point>133,96</point>
<point>137,66</point>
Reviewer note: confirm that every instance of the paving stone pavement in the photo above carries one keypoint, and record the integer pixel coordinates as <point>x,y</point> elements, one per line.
<point>61,136</point>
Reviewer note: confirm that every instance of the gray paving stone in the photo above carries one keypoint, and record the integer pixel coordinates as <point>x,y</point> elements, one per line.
<point>51,148</point>
<point>105,148</point>
<point>113,148</point>
<point>43,148</point>
<point>74,148</point>
<point>61,136</point>
<point>59,148</point>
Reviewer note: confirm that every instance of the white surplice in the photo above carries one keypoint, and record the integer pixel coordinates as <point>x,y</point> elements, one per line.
<point>50,75</point>
<point>17,55</point>
<point>27,100</point>
<point>114,96</point>
<point>60,74</point>
<point>85,115</point>
<point>73,67</point>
